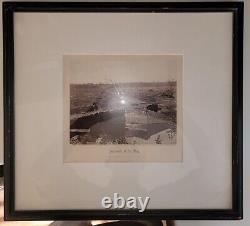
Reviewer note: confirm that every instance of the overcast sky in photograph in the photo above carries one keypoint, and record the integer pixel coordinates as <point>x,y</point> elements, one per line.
<point>122,68</point>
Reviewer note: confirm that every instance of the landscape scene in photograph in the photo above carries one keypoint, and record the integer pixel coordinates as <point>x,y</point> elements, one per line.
<point>110,112</point>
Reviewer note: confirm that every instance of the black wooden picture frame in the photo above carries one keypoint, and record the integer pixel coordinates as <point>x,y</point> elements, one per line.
<point>9,8</point>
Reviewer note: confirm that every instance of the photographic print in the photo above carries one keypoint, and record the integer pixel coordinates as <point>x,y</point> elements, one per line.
<point>124,103</point>
<point>123,113</point>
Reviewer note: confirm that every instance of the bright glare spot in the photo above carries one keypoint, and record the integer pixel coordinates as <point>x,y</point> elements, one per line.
<point>123,101</point>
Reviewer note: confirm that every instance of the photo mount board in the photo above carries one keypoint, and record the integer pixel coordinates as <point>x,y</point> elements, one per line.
<point>11,213</point>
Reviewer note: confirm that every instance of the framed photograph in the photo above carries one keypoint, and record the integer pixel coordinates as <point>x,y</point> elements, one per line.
<point>123,107</point>
<point>123,110</point>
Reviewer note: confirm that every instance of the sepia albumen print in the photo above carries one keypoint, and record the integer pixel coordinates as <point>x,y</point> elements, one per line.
<point>122,108</point>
